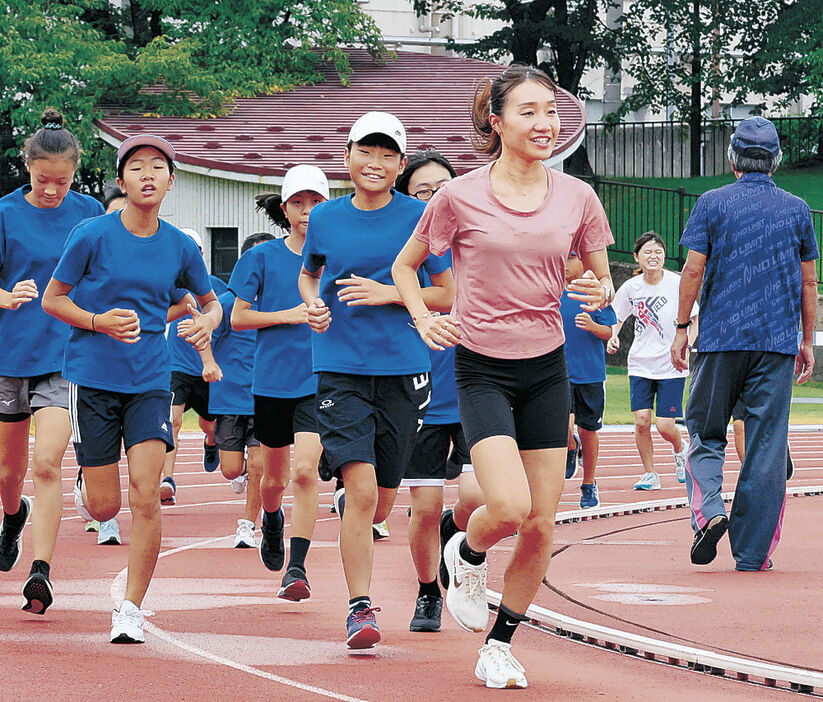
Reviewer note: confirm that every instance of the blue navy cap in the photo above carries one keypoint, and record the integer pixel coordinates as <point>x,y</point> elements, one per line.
<point>756,137</point>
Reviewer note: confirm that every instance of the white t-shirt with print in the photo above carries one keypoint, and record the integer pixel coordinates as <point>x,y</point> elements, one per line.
<point>655,312</point>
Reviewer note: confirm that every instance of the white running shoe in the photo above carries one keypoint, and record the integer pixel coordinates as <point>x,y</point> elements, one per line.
<point>498,668</point>
<point>244,536</point>
<point>239,484</point>
<point>648,481</point>
<point>109,533</point>
<point>680,463</point>
<point>127,624</point>
<point>380,531</point>
<point>79,505</point>
<point>466,596</point>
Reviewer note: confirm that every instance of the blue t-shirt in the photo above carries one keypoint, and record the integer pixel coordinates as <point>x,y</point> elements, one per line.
<point>184,356</point>
<point>234,353</point>
<point>364,339</point>
<point>754,236</point>
<point>111,267</point>
<point>268,274</point>
<point>585,352</point>
<point>31,241</point>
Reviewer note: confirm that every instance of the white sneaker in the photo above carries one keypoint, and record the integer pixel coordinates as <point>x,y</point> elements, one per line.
<point>498,668</point>
<point>380,531</point>
<point>79,505</point>
<point>244,536</point>
<point>109,533</point>
<point>240,483</point>
<point>680,463</point>
<point>127,624</point>
<point>466,596</point>
<point>648,481</point>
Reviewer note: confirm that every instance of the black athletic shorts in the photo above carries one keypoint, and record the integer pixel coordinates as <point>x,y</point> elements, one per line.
<point>234,432</point>
<point>431,462</point>
<point>102,419</point>
<point>372,419</point>
<point>278,419</point>
<point>525,398</point>
<point>192,392</point>
<point>587,402</point>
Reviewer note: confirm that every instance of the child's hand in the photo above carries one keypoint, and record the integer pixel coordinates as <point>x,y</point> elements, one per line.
<point>212,372</point>
<point>23,291</point>
<point>365,291</point>
<point>584,321</point>
<point>120,324</point>
<point>319,317</point>
<point>297,315</point>
<point>613,344</point>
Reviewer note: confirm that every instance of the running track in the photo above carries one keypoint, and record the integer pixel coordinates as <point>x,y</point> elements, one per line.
<point>219,631</point>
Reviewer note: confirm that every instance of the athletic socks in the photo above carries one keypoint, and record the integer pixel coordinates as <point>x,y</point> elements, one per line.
<point>16,520</point>
<point>505,625</point>
<point>471,557</point>
<point>362,602</point>
<point>298,548</point>
<point>40,567</point>
<point>431,589</point>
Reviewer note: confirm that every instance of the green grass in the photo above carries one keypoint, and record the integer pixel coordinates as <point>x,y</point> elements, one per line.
<point>618,408</point>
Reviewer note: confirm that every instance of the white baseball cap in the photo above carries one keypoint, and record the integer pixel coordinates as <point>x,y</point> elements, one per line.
<point>194,235</point>
<point>157,142</point>
<point>304,177</point>
<point>379,123</point>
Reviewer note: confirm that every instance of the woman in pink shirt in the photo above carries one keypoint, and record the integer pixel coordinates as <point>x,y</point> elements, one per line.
<point>510,226</point>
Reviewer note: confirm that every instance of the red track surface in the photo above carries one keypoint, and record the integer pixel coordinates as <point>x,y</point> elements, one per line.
<point>219,630</point>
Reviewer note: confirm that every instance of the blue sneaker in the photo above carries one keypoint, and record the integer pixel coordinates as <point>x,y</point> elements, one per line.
<point>211,457</point>
<point>571,458</point>
<point>589,496</point>
<point>361,628</point>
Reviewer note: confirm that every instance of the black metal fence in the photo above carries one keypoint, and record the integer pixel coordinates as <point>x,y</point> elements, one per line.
<point>661,149</point>
<point>633,209</point>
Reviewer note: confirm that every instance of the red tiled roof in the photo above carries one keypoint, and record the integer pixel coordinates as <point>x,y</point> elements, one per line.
<point>267,135</point>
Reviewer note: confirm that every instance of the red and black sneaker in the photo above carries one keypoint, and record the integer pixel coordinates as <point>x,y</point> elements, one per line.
<point>361,627</point>
<point>295,585</point>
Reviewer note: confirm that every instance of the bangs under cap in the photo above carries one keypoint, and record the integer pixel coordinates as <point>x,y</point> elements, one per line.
<point>379,123</point>
<point>133,142</point>
<point>304,177</point>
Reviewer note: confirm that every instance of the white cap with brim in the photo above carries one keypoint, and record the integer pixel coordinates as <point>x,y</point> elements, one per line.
<point>133,142</point>
<point>379,123</point>
<point>194,235</point>
<point>304,177</point>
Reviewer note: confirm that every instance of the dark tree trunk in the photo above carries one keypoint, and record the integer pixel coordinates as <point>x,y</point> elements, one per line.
<point>12,170</point>
<point>695,111</point>
<point>578,163</point>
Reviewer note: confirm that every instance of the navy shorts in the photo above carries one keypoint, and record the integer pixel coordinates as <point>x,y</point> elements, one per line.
<point>669,393</point>
<point>431,461</point>
<point>192,392</point>
<point>587,402</point>
<point>103,419</point>
<point>234,432</point>
<point>371,419</point>
<point>278,419</point>
<point>525,398</point>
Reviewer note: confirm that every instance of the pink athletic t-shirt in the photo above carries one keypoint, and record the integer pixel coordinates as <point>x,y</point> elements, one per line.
<point>509,266</point>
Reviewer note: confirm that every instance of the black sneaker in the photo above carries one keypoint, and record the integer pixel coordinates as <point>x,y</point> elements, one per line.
<point>295,585</point>
<point>704,548</point>
<point>11,538</point>
<point>272,543</point>
<point>211,457</point>
<point>445,534</point>
<point>427,613</point>
<point>38,594</point>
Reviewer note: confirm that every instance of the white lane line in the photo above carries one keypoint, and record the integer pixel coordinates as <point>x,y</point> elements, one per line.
<point>118,590</point>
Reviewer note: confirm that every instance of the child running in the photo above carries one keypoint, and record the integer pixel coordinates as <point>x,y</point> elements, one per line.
<point>35,221</point>
<point>585,334</point>
<point>228,365</point>
<point>113,286</point>
<point>510,226</point>
<point>653,298</point>
<point>372,369</point>
<point>283,386</point>
<point>440,452</point>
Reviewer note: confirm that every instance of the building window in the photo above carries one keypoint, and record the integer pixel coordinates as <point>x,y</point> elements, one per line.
<point>223,251</point>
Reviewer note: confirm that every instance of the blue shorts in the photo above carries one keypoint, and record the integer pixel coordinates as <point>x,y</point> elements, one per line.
<point>103,419</point>
<point>669,393</point>
<point>587,402</point>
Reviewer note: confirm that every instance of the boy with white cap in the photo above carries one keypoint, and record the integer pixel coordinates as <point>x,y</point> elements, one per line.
<point>372,370</point>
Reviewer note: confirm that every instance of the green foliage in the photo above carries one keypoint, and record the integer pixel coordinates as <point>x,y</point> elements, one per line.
<point>76,55</point>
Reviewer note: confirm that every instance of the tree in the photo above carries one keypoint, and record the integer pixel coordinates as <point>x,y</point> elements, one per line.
<point>76,54</point>
<point>564,38</point>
